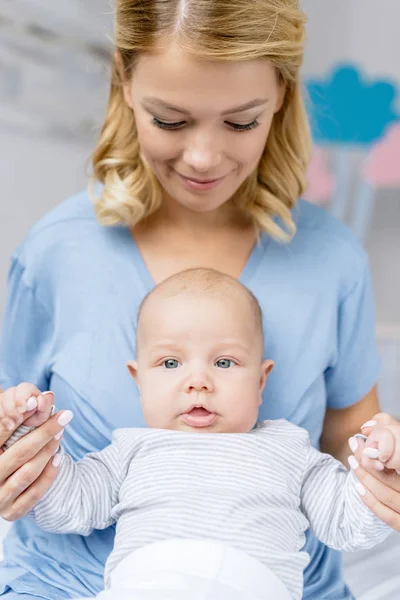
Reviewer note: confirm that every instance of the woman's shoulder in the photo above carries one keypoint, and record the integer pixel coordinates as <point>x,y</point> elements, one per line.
<point>71,215</point>
<point>67,242</point>
<point>67,230</point>
<point>326,242</point>
<point>319,225</point>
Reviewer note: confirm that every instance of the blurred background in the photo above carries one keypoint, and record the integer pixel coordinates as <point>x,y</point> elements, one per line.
<point>54,59</point>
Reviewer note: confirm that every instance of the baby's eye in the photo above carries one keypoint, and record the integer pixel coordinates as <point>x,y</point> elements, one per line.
<point>224,363</point>
<point>171,363</point>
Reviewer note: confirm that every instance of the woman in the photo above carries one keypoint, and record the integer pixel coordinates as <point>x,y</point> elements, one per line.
<point>200,162</point>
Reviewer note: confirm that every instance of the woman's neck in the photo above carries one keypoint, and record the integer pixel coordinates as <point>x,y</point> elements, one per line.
<point>172,216</point>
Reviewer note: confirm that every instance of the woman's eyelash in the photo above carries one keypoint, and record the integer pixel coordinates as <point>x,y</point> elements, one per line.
<point>163,125</point>
<point>245,127</point>
<point>235,126</point>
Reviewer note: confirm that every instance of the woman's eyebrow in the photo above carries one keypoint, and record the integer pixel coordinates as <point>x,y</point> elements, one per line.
<point>231,111</point>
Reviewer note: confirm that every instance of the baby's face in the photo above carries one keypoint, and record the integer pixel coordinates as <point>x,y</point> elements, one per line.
<point>199,363</point>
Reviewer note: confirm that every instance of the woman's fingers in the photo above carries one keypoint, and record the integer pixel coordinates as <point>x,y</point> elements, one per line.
<point>381,493</point>
<point>26,500</point>
<point>27,468</point>
<point>27,447</point>
<point>24,477</point>
<point>13,405</point>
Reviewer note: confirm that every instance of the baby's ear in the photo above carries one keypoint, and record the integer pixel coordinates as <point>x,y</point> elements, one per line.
<point>266,369</point>
<point>132,368</point>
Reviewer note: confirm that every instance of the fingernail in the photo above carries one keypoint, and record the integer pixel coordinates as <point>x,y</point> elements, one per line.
<point>45,393</point>
<point>56,450</point>
<point>371,452</point>
<point>360,489</point>
<point>379,466</point>
<point>353,444</point>
<point>353,462</point>
<point>31,404</point>
<point>56,460</point>
<point>369,424</point>
<point>59,435</point>
<point>65,417</point>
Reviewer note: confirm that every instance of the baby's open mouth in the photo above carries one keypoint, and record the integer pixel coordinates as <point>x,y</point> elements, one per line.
<point>199,416</point>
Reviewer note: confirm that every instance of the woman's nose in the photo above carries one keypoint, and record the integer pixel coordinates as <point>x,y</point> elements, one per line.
<point>203,155</point>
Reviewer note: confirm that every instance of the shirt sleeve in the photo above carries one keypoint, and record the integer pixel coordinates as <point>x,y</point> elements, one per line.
<point>19,433</point>
<point>356,366</point>
<point>83,495</point>
<point>333,507</point>
<point>26,335</point>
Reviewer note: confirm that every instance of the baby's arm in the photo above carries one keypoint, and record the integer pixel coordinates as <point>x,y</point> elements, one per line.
<point>333,507</point>
<point>83,494</point>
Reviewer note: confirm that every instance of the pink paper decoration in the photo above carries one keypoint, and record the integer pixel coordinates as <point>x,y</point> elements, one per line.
<point>382,166</point>
<point>320,180</point>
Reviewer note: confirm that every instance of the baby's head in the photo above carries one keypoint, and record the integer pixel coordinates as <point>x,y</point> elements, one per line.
<point>199,354</point>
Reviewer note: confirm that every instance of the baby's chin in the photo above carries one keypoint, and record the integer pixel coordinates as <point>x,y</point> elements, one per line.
<point>220,426</point>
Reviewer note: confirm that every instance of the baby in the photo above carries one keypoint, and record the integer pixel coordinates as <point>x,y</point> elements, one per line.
<point>205,495</point>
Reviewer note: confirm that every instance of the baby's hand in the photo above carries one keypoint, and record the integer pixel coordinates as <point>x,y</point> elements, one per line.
<point>383,447</point>
<point>24,404</point>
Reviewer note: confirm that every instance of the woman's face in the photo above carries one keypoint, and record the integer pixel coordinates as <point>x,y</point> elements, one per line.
<point>202,125</point>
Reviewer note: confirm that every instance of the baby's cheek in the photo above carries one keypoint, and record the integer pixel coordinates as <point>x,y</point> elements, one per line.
<point>242,414</point>
<point>157,411</point>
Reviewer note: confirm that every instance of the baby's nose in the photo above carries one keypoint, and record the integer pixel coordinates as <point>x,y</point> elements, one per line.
<point>199,382</point>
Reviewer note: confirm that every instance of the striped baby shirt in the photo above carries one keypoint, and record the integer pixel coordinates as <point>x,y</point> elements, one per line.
<point>258,492</point>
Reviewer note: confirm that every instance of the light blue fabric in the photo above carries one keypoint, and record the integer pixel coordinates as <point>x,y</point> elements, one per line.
<point>74,291</point>
<point>10,595</point>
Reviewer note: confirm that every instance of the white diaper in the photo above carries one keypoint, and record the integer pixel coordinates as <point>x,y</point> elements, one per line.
<point>195,569</point>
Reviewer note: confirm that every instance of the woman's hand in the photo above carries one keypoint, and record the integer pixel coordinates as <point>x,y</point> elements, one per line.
<point>24,404</point>
<point>26,468</point>
<point>380,489</point>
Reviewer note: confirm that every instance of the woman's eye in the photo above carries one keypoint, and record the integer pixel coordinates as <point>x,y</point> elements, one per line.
<point>164,125</point>
<point>224,363</point>
<point>234,126</point>
<point>246,127</point>
<point>171,363</point>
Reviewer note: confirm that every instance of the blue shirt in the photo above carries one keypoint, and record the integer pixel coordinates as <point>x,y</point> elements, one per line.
<point>74,291</point>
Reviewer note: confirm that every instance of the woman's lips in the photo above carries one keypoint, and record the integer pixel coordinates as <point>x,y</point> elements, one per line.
<point>200,185</point>
<point>199,417</point>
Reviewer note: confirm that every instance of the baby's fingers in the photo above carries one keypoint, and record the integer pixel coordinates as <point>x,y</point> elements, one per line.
<point>393,462</point>
<point>26,396</point>
<point>380,443</point>
<point>13,408</point>
<point>45,405</point>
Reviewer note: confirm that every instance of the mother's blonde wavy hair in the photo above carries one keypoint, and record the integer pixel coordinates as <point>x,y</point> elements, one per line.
<point>223,30</point>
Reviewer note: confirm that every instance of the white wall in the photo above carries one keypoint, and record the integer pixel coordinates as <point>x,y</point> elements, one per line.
<point>35,175</point>
<point>53,91</point>
<point>362,31</point>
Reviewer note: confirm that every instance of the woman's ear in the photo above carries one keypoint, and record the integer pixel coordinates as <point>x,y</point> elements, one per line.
<point>132,368</point>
